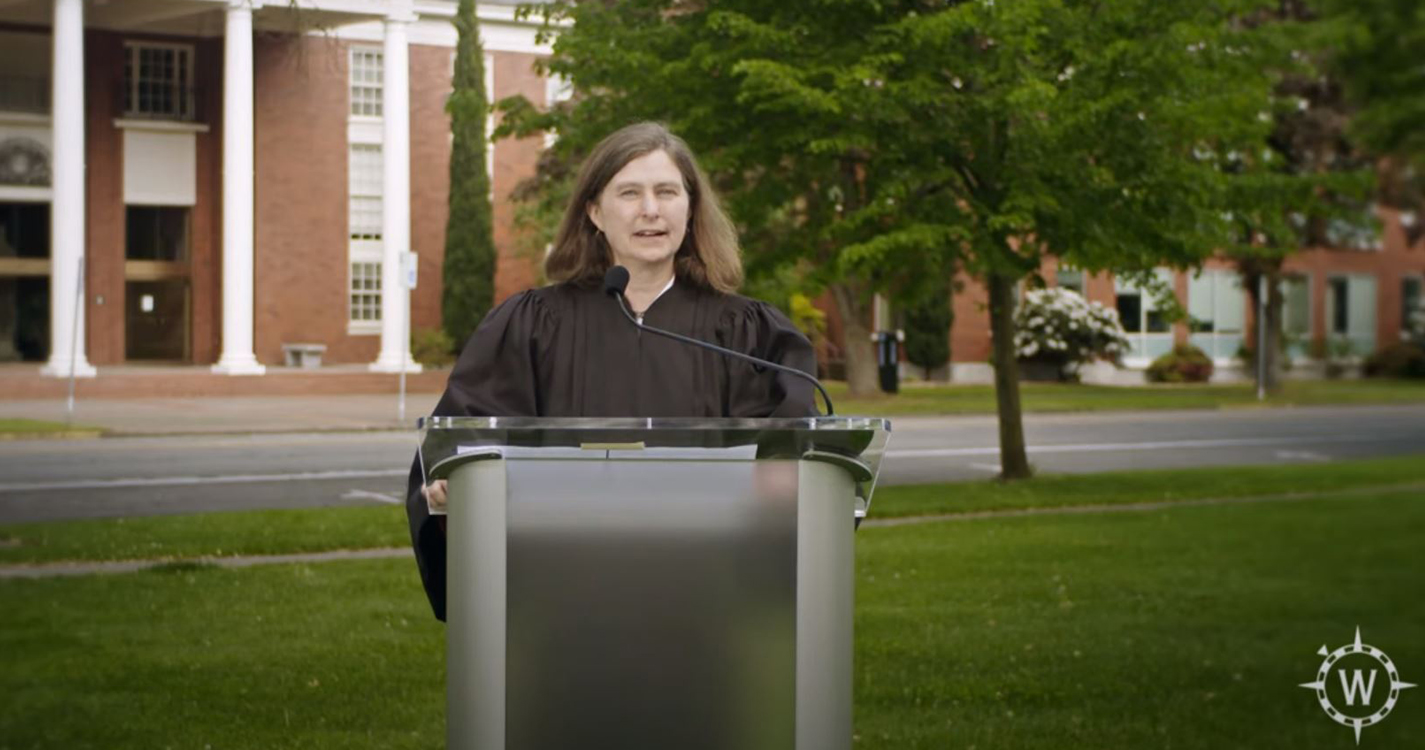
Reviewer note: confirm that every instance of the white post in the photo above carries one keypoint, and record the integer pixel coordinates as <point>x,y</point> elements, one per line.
<point>395,196</point>
<point>238,216</point>
<point>67,213</point>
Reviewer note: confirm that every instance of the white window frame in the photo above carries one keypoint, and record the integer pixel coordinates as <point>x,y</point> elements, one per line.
<point>364,131</point>
<point>1302,347</point>
<point>489,67</point>
<point>363,298</point>
<point>378,86</point>
<point>557,89</point>
<point>363,248</point>
<point>1362,337</point>
<point>185,94</point>
<point>1145,345</point>
<point>1219,343</point>
<point>1064,269</point>
<point>1418,278</point>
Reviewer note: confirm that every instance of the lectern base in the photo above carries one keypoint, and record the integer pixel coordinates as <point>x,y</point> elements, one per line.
<point>597,602</point>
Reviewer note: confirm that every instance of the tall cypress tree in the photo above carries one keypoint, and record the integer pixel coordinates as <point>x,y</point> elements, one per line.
<point>469,269</point>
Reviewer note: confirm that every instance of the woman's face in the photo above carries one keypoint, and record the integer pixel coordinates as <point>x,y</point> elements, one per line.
<point>643,211</point>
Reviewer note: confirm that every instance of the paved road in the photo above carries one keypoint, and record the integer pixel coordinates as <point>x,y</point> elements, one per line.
<point>45,480</point>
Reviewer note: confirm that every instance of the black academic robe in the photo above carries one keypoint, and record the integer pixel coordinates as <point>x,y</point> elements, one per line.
<point>568,351</point>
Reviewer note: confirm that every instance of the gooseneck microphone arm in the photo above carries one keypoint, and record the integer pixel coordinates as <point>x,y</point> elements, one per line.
<point>616,280</point>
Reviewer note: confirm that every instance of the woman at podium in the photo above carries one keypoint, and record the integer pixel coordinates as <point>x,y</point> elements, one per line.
<point>567,350</point>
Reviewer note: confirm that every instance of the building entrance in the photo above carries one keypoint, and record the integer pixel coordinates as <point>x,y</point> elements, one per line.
<point>157,304</point>
<point>24,282</point>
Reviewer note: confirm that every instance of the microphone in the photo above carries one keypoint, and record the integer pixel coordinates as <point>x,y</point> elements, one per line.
<point>616,281</point>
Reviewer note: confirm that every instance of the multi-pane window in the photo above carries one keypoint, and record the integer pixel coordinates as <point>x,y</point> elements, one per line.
<point>158,81</point>
<point>364,191</point>
<point>1412,314</point>
<point>365,82</point>
<point>156,233</point>
<point>1068,277</point>
<point>1296,314</point>
<point>1216,312</point>
<point>1149,333</point>
<point>365,291</point>
<point>1351,312</point>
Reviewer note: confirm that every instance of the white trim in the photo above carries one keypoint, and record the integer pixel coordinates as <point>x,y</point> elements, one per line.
<point>499,32</point>
<point>160,126</point>
<point>489,66</point>
<point>25,194</point>
<point>364,130</point>
<point>24,118</point>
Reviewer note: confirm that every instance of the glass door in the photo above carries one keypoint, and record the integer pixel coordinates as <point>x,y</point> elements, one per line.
<point>157,307</point>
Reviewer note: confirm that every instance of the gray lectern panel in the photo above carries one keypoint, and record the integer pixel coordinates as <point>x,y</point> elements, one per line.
<point>826,571</point>
<point>475,692</point>
<point>651,604</point>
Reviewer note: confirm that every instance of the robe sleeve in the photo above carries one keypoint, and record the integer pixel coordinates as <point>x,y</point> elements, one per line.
<point>494,376</point>
<point>761,330</point>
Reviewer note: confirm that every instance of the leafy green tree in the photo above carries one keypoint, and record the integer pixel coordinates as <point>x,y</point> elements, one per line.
<point>885,143</point>
<point>469,269</point>
<point>1378,60</point>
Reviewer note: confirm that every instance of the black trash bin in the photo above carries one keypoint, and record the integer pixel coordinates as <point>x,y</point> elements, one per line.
<point>888,358</point>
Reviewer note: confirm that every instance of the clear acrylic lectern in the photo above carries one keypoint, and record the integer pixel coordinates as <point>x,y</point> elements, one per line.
<point>651,583</point>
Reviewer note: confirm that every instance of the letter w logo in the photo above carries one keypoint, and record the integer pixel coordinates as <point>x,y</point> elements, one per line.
<point>1357,684</point>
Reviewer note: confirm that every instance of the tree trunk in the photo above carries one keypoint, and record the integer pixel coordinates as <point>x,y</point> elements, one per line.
<point>1268,378</point>
<point>1014,463</point>
<point>861,376</point>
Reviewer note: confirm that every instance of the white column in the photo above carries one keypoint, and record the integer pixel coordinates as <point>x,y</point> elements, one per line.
<point>395,196</point>
<point>67,216</point>
<point>237,357</point>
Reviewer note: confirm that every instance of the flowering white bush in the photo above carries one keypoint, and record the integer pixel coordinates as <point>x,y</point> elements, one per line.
<point>1060,327</point>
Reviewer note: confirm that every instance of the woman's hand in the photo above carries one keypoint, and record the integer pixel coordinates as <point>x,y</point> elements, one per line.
<point>435,495</point>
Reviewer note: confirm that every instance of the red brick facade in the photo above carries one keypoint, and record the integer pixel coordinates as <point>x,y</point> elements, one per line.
<point>300,116</point>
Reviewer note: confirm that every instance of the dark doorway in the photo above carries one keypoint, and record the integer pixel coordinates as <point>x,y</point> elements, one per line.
<point>24,282</point>
<point>157,307</point>
<point>156,319</point>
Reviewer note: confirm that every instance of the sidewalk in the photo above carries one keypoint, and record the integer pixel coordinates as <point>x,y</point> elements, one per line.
<point>240,414</point>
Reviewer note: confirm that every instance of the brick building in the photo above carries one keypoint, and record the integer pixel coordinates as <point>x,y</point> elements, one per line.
<point>241,175</point>
<point>236,175</point>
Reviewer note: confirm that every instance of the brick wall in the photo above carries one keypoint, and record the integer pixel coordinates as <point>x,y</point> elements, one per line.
<point>300,122</point>
<point>104,198</point>
<point>519,264</point>
<point>430,177</point>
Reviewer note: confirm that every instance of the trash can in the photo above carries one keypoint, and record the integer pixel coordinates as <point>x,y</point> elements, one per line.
<point>888,358</point>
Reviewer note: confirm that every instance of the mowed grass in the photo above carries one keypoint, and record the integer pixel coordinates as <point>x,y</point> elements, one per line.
<point>1062,397</point>
<point>1187,627</point>
<point>12,428</point>
<point>1159,485</point>
<point>208,535</point>
<point>266,532</point>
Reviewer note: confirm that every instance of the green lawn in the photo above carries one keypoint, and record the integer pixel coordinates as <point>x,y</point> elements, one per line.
<point>321,529</point>
<point>264,532</point>
<point>1058,397</point>
<point>1187,628</point>
<point>33,427</point>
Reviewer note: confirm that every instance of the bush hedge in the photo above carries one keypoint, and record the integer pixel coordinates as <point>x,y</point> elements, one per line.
<point>1184,364</point>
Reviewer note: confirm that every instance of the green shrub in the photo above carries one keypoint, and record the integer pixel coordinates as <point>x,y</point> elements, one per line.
<point>1184,364</point>
<point>1404,359</point>
<point>927,331</point>
<point>432,347</point>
